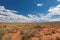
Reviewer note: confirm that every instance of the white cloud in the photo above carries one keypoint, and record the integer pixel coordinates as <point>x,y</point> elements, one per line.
<point>39,4</point>
<point>54,11</point>
<point>47,18</point>
<point>11,16</point>
<point>58,0</point>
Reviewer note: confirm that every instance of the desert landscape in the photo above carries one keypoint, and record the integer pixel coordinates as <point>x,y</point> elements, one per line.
<point>30,31</point>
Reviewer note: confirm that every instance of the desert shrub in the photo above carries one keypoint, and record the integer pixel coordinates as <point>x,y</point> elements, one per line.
<point>27,33</point>
<point>57,38</point>
<point>2,33</point>
<point>11,30</point>
<point>26,38</point>
<point>38,27</point>
<point>48,32</point>
<point>7,38</point>
<point>53,31</point>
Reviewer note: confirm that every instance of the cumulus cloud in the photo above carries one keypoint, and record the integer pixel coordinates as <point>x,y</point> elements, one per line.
<point>54,11</point>
<point>52,14</point>
<point>12,16</point>
<point>39,4</point>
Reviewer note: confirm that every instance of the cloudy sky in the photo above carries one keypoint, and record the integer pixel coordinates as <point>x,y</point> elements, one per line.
<point>29,10</point>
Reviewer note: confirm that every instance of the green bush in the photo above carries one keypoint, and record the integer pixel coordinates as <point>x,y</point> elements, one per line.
<point>2,33</point>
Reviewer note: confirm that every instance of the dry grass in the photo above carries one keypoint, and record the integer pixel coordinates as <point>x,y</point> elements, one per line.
<point>29,31</point>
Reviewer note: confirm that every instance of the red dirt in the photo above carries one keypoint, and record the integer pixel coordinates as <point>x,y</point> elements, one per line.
<point>50,31</point>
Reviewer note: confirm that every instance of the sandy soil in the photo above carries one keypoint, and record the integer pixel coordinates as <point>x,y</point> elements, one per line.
<point>31,31</point>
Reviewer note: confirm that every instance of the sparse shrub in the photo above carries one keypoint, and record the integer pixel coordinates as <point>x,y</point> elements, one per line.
<point>38,27</point>
<point>48,34</point>
<point>57,38</point>
<point>7,38</point>
<point>27,33</point>
<point>25,38</point>
<point>2,33</point>
<point>11,30</point>
<point>53,31</point>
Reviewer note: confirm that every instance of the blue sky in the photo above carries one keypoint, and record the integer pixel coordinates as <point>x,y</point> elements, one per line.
<point>30,9</point>
<point>28,6</point>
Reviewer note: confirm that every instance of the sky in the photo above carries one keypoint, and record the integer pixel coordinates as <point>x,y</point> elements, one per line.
<point>29,10</point>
